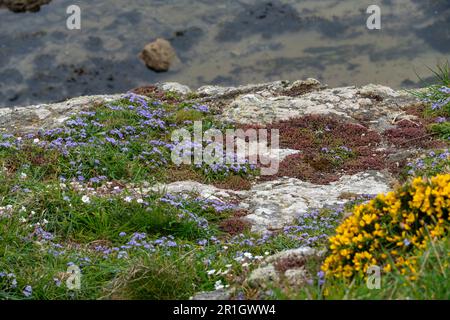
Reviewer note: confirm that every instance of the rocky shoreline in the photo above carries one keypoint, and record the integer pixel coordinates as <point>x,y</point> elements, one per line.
<point>275,203</point>
<point>381,106</point>
<point>271,204</point>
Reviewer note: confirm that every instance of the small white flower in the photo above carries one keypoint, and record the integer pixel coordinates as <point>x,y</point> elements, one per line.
<point>33,213</point>
<point>225,247</point>
<point>22,220</point>
<point>248,255</point>
<point>140,201</point>
<point>259,257</point>
<point>211,272</point>
<point>23,175</point>
<point>267,253</point>
<point>36,140</point>
<point>44,222</point>
<point>86,199</point>
<point>245,265</point>
<point>218,285</point>
<point>128,199</point>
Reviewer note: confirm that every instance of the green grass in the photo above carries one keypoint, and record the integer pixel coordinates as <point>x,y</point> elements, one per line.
<point>79,228</point>
<point>438,101</point>
<point>47,223</point>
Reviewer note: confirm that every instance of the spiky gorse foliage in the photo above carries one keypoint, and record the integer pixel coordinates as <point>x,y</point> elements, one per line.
<point>391,230</point>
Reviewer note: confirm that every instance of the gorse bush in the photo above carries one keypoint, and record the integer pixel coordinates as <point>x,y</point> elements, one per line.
<point>391,230</point>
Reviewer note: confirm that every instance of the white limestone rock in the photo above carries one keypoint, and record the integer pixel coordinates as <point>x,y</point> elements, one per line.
<point>175,87</point>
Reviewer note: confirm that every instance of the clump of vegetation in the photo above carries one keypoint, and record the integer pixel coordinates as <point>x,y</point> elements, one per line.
<point>431,282</point>
<point>437,96</point>
<point>431,164</point>
<point>158,277</point>
<point>391,230</point>
<point>330,148</point>
<point>409,134</point>
<point>128,139</point>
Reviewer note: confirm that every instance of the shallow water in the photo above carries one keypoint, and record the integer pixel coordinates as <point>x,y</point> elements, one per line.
<point>218,42</point>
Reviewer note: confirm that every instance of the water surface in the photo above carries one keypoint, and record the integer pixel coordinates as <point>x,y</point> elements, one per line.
<point>226,42</point>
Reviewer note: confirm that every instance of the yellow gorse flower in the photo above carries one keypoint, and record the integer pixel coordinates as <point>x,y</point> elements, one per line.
<point>391,229</point>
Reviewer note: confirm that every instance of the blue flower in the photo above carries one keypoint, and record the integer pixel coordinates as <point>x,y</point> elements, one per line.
<point>445,90</point>
<point>57,282</point>
<point>171,244</point>
<point>28,291</point>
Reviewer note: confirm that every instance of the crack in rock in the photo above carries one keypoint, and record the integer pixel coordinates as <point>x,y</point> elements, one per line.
<point>275,204</point>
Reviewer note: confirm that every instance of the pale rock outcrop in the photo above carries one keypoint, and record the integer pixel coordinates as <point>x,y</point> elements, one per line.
<point>175,87</point>
<point>287,266</point>
<point>274,204</point>
<point>31,118</point>
<point>255,103</point>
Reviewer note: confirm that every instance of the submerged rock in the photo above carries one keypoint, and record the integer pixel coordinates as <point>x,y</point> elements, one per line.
<point>23,5</point>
